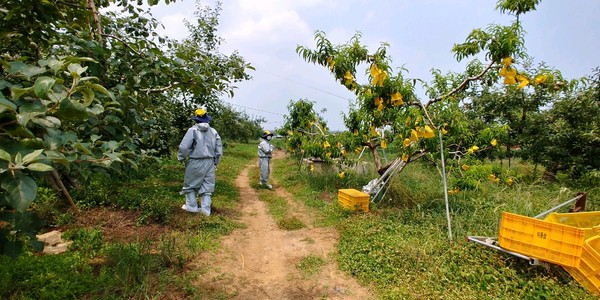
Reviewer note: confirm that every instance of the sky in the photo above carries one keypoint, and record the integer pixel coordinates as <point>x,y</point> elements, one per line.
<point>563,34</point>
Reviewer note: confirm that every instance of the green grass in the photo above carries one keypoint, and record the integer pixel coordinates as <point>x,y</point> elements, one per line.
<point>402,247</point>
<point>310,265</point>
<point>278,207</point>
<point>317,190</point>
<point>290,223</point>
<point>96,269</point>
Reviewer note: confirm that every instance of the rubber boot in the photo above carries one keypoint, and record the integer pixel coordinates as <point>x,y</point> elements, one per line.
<point>205,202</point>
<point>191,204</point>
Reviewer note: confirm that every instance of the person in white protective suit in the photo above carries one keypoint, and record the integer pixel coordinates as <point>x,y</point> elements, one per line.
<point>265,152</point>
<point>201,150</point>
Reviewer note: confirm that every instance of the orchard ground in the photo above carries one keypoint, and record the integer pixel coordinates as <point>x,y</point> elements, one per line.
<point>293,242</point>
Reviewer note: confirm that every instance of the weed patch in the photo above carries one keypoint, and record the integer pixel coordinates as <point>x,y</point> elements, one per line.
<point>290,223</point>
<point>310,265</point>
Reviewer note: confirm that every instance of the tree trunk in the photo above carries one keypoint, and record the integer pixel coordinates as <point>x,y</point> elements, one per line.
<point>550,172</point>
<point>376,157</point>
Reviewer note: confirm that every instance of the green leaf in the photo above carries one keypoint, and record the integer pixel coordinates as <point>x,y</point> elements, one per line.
<point>53,64</point>
<point>81,147</point>
<point>20,131</point>
<point>17,93</point>
<point>23,118</point>
<point>72,110</point>
<point>114,157</point>
<point>95,109</point>
<point>32,156</point>
<point>35,143</point>
<point>77,69</point>
<point>40,167</point>
<point>86,59</point>
<point>26,70</point>
<point>88,96</point>
<point>113,145</point>
<point>57,157</point>
<point>6,105</point>
<point>20,192</point>
<point>18,159</point>
<point>88,78</point>
<point>48,121</point>
<point>103,90</point>
<point>5,155</point>
<point>42,85</point>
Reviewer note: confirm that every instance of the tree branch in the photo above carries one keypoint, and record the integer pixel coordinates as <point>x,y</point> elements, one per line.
<point>158,90</point>
<point>461,86</point>
<point>124,43</point>
<point>62,187</point>
<point>96,19</point>
<point>8,123</point>
<point>66,3</point>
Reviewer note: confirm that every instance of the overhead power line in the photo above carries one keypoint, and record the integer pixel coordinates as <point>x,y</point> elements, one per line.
<point>246,107</point>
<point>304,84</point>
<point>288,79</point>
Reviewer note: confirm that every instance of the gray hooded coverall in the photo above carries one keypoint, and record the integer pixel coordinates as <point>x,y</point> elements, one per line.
<point>202,145</point>
<point>265,152</point>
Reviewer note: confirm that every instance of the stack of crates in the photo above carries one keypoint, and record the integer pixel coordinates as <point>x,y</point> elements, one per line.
<point>571,240</point>
<point>587,273</point>
<point>353,199</point>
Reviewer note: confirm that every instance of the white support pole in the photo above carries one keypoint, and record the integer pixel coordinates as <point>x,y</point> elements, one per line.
<point>445,184</point>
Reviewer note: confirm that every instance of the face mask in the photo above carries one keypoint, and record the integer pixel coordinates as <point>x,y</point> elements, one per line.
<point>268,138</point>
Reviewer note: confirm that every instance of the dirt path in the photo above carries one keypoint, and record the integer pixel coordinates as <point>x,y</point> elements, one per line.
<point>260,261</point>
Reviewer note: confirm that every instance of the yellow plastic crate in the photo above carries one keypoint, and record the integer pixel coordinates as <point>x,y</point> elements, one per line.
<point>583,280</point>
<point>353,199</point>
<point>588,272</point>
<point>588,221</point>
<point>551,242</point>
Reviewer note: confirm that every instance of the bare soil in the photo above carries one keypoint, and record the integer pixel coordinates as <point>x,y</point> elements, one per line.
<point>261,261</point>
<point>118,225</point>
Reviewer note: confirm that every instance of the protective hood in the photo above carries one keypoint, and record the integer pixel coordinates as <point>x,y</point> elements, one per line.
<point>202,126</point>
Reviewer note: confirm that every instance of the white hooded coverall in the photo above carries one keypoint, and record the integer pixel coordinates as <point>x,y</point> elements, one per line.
<point>202,145</point>
<point>265,152</point>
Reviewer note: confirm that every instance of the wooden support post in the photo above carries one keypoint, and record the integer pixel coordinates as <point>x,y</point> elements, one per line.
<point>62,188</point>
<point>580,204</point>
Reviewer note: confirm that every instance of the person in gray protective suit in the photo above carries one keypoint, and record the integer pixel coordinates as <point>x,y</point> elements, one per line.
<point>265,152</point>
<point>202,147</point>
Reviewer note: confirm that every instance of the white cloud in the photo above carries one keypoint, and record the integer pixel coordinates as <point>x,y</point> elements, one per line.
<point>174,26</point>
<point>278,27</point>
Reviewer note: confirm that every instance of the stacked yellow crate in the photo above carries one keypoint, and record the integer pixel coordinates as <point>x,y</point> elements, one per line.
<point>571,240</point>
<point>587,273</point>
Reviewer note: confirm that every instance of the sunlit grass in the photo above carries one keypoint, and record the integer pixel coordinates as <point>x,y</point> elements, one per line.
<point>402,247</point>
<point>310,265</point>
